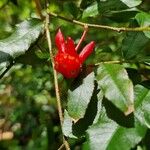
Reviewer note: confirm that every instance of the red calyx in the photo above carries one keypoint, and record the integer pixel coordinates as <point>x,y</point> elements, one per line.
<point>67,65</point>
<point>67,61</point>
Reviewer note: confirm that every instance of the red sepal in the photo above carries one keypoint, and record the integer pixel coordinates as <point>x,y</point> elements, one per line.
<point>87,50</point>
<point>60,41</point>
<point>70,46</point>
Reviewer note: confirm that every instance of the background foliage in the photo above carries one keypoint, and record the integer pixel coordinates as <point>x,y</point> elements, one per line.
<point>106,107</point>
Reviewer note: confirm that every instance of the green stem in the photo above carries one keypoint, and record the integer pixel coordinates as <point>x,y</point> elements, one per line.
<point>83,24</point>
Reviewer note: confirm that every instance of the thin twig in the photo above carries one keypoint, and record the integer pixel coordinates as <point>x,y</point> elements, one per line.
<point>39,9</point>
<point>61,147</point>
<point>55,79</point>
<point>116,62</point>
<point>55,73</point>
<point>110,62</point>
<point>118,29</point>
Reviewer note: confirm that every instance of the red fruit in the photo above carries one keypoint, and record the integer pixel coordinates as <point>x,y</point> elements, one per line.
<point>67,61</point>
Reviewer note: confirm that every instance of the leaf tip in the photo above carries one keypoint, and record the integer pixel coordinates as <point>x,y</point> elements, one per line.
<point>129,110</point>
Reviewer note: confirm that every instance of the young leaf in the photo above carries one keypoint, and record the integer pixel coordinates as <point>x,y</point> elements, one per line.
<point>19,42</point>
<point>132,3</point>
<point>143,20</point>
<point>142,105</point>
<point>116,86</point>
<point>90,11</point>
<point>79,98</point>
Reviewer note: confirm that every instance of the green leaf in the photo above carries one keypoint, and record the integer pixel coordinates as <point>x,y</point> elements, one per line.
<point>110,5</point>
<point>142,105</point>
<point>106,134</point>
<point>71,8</point>
<point>77,129</point>
<point>132,3</point>
<point>102,7</point>
<point>133,44</point>
<point>90,11</point>
<point>85,146</point>
<point>42,55</point>
<point>143,20</point>
<point>67,126</point>
<point>91,115</point>
<point>79,98</point>
<point>122,15</point>
<point>100,134</point>
<point>19,42</point>
<point>112,137</point>
<point>99,105</point>
<point>116,86</point>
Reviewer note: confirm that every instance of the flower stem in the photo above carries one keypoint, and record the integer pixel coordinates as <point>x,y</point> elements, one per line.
<point>82,38</point>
